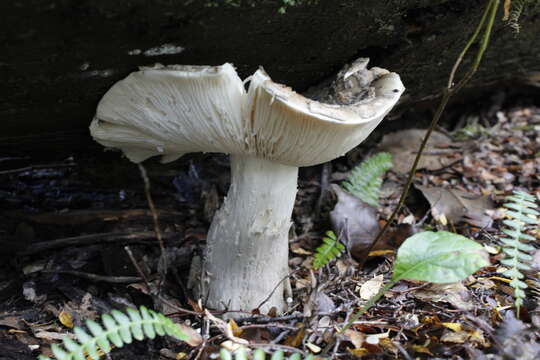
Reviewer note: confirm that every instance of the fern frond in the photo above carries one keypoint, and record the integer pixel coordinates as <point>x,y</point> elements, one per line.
<point>515,10</point>
<point>259,354</point>
<point>522,212</point>
<point>366,179</point>
<point>328,251</point>
<point>118,329</point>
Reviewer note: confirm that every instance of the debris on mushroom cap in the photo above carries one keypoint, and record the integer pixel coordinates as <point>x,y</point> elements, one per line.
<point>173,110</point>
<point>294,130</point>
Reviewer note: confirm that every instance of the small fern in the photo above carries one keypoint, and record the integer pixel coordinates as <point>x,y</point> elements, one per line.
<point>366,179</point>
<point>259,354</point>
<point>521,210</point>
<point>514,9</point>
<point>119,329</point>
<point>329,250</point>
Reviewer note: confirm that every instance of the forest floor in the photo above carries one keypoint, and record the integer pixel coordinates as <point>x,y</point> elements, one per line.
<point>77,240</point>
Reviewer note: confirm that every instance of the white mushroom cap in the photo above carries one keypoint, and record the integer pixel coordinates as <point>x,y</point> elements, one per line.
<point>170,111</point>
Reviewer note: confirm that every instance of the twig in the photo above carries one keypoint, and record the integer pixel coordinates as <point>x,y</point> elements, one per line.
<point>97,277</point>
<point>276,287</point>
<point>325,176</point>
<point>451,89</point>
<point>92,239</point>
<point>137,266</point>
<point>402,350</point>
<point>163,257</point>
<point>34,167</point>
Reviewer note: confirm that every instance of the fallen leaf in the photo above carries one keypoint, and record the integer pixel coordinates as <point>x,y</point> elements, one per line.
<point>455,337</point>
<point>296,339</point>
<point>236,330</point>
<point>452,326</point>
<point>535,262</point>
<point>381,252</point>
<point>297,249</point>
<point>371,287</point>
<point>66,319</point>
<point>404,145</point>
<point>355,337</point>
<point>313,348</point>
<point>454,293</point>
<point>225,328</point>
<point>456,205</point>
<point>421,349</point>
<point>355,222</point>
<point>358,352</point>
<point>12,322</point>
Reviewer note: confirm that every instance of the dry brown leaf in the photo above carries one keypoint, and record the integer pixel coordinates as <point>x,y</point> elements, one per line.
<point>225,328</point>
<point>452,326</point>
<point>404,145</point>
<point>455,293</point>
<point>458,337</point>
<point>371,287</point>
<point>458,205</point>
<point>421,349</point>
<point>355,337</point>
<point>13,322</point>
<point>355,222</point>
<point>296,339</point>
<point>358,352</point>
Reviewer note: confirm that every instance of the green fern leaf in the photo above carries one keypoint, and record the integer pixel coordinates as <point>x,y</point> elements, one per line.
<point>329,250</point>
<point>117,329</point>
<point>522,212</point>
<point>259,354</point>
<point>517,8</point>
<point>366,179</point>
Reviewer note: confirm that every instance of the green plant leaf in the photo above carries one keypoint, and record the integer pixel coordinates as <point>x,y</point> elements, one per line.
<point>328,251</point>
<point>438,257</point>
<point>366,179</point>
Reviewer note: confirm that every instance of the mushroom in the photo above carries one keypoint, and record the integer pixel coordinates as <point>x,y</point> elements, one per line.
<point>269,131</point>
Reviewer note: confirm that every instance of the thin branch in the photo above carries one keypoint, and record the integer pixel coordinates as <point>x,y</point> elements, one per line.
<point>92,239</point>
<point>97,277</point>
<point>34,167</point>
<point>162,269</point>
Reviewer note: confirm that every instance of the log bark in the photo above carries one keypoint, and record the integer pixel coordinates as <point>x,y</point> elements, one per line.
<point>60,56</point>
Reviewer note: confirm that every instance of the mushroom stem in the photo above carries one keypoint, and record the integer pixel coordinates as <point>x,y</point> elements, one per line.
<point>247,245</point>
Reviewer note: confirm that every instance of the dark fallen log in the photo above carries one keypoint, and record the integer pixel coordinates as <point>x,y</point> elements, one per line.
<point>59,57</point>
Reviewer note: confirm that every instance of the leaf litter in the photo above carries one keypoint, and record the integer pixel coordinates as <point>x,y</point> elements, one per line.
<point>463,177</point>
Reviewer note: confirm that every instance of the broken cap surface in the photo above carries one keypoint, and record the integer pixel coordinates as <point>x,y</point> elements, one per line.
<point>170,111</point>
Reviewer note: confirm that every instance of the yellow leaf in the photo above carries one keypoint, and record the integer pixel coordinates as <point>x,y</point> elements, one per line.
<point>358,352</point>
<point>388,345</point>
<point>180,356</point>
<point>381,252</point>
<point>452,326</point>
<point>295,340</point>
<point>421,349</point>
<point>507,6</point>
<point>236,330</point>
<point>66,319</point>
<point>499,279</point>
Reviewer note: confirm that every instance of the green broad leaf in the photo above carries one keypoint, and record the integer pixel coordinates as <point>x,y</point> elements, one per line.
<point>438,257</point>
